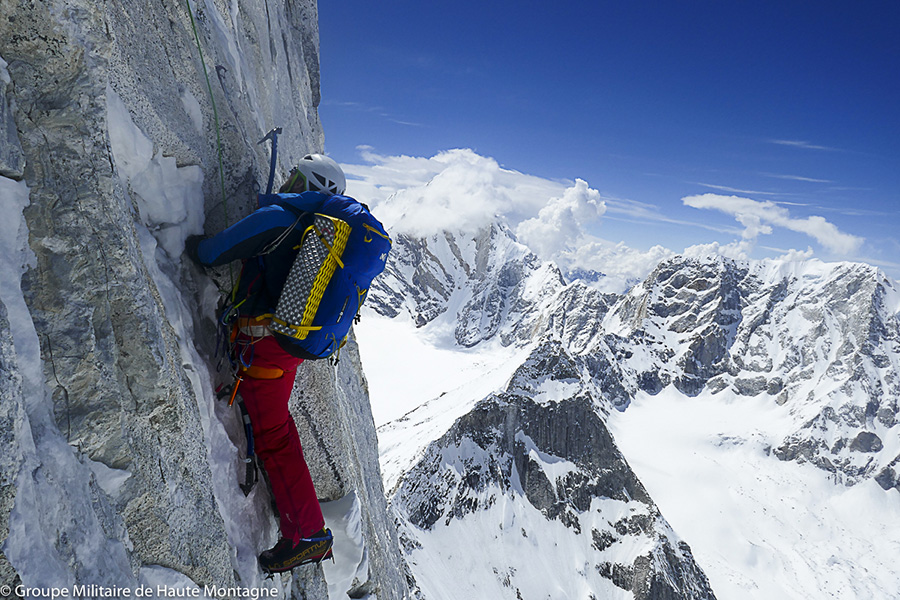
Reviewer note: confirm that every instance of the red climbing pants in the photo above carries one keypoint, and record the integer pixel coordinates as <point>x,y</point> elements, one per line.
<point>276,441</point>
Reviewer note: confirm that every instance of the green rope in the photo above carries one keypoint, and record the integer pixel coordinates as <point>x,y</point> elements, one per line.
<point>216,120</point>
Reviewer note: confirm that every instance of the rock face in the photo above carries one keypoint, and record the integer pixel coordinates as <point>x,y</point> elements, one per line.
<point>494,285</point>
<point>823,340</point>
<point>122,469</point>
<point>534,475</point>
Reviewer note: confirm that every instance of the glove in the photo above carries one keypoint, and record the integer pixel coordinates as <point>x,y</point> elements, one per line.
<point>191,245</point>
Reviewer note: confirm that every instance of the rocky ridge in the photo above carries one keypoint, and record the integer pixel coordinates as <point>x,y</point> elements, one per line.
<point>482,285</point>
<point>820,339</point>
<point>541,446</point>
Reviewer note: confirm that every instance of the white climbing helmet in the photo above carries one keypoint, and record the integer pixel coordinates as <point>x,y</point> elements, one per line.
<point>317,173</point>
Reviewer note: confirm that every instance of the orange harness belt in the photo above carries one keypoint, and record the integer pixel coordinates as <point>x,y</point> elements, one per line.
<point>262,372</point>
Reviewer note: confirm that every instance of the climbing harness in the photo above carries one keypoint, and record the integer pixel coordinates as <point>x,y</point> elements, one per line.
<point>244,333</point>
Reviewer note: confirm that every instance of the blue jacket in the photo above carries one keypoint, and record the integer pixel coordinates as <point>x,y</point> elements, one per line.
<point>263,277</point>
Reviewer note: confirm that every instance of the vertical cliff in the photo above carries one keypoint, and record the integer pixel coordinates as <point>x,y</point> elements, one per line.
<point>119,467</point>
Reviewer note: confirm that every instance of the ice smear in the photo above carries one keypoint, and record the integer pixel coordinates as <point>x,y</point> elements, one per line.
<point>192,108</point>
<point>351,560</point>
<point>4,74</point>
<point>169,198</point>
<point>171,203</point>
<point>110,480</point>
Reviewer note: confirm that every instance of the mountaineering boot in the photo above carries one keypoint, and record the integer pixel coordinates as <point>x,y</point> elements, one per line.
<point>285,556</point>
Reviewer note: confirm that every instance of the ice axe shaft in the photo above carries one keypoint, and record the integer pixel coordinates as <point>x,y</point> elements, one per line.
<point>272,135</point>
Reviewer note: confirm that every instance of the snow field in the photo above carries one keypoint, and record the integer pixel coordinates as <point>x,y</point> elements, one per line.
<point>759,527</point>
<point>511,547</point>
<point>418,390</point>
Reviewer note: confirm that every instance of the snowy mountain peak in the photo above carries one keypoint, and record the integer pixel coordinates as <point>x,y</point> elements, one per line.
<point>777,364</point>
<point>821,339</point>
<point>470,288</point>
<point>545,488</point>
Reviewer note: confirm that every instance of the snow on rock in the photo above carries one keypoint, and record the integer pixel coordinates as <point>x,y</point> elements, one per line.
<point>756,400</point>
<point>818,338</point>
<point>350,566</point>
<point>534,500</point>
<point>762,528</point>
<point>123,468</point>
<point>468,288</point>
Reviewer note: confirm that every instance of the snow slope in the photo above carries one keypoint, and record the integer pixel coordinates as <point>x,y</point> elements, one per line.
<point>761,528</point>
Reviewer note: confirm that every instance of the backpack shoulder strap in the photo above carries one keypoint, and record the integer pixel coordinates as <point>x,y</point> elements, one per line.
<point>284,234</point>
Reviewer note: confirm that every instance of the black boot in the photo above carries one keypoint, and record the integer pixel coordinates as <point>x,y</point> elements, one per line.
<point>285,556</point>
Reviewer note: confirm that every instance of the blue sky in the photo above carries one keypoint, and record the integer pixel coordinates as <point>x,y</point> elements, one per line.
<point>794,106</point>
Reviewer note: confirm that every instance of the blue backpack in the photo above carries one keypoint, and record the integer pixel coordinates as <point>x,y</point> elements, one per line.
<point>339,255</point>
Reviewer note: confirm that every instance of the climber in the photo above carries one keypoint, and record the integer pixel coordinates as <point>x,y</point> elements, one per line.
<point>268,241</point>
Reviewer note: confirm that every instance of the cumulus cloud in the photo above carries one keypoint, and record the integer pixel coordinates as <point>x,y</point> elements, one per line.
<point>738,250</point>
<point>559,233</point>
<point>758,218</point>
<point>621,265</point>
<point>461,191</point>
<point>456,190</point>
<point>797,255</point>
<point>559,226</point>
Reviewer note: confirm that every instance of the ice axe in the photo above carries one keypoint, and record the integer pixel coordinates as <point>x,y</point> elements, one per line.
<point>272,135</point>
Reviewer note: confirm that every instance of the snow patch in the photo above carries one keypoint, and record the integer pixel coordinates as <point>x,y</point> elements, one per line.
<point>509,550</point>
<point>110,480</point>
<point>169,198</point>
<point>554,467</point>
<point>192,108</point>
<point>351,559</point>
<point>4,73</point>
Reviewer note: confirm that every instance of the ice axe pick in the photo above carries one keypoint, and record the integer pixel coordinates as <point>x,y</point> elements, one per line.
<point>272,135</point>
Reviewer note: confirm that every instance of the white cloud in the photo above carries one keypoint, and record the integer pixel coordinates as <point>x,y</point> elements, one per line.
<point>462,191</point>
<point>802,144</point>
<point>797,255</point>
<point>622,265</point>
<point>736,250</point>
<point>796,178</point>
<point>453,190</point>
<point>758,218</point>
<point>725,188</point>
<point>559,226</point>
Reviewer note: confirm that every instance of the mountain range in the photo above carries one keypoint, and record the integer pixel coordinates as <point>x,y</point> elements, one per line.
<point>522,483</point>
